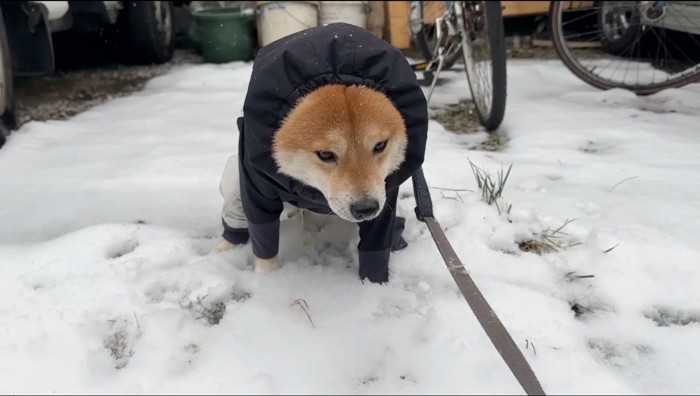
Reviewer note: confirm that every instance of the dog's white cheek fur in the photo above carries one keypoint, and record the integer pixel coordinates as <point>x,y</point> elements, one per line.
<point>398,156</point>
<point>297,166</point>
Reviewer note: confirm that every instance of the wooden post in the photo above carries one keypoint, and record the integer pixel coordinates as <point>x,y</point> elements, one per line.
<point>397,17</point>
<point>432,10</point>
<point>376,18</point>
<point>521,8</point>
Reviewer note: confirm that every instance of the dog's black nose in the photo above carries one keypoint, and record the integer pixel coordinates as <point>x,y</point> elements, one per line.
<point>364,208</point>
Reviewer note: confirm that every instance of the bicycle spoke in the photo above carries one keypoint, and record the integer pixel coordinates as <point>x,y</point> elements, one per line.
<point>580,18</point>
<point>571,36</point>
<point>641,48</point>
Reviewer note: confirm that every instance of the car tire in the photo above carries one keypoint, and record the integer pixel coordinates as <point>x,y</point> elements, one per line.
<point>7,116</point>
<point>148,30</point>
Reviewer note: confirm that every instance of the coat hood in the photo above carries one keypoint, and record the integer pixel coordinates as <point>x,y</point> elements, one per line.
<point>289,68</point>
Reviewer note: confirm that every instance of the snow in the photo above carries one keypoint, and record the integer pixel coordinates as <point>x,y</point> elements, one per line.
<point>108,285</point>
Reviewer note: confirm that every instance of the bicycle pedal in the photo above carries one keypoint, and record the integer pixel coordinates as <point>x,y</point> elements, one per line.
<point>422,66</point>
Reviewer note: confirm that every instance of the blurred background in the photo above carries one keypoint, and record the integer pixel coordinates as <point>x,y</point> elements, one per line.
<point>60,57</point>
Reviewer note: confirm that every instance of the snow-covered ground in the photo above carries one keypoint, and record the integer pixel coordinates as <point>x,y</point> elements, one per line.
<point>106,221</point>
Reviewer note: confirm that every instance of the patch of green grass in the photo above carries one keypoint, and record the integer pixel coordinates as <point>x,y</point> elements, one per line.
<point>492,189</point>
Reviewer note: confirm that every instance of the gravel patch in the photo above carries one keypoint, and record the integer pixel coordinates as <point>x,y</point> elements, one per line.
<point>66,93</point>
<point>461,118</point>
<point>63,94</point>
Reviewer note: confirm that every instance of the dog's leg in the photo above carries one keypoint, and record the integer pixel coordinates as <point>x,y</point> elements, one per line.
<point>232,214</point>
<point>223,246</point>
<point>264,266</point>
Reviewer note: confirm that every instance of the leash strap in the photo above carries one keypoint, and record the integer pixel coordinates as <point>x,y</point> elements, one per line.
<point>495,330</point>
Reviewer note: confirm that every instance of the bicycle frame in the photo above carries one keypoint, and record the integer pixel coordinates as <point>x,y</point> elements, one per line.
<point>446,19</point>
<point>464,31</point>
<point>446,41</point>
<point>451,35</point>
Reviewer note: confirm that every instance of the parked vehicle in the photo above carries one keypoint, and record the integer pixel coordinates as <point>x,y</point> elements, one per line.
<point>28,31</point>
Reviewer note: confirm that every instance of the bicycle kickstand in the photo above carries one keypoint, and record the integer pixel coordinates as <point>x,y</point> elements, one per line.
<point>441,60</point>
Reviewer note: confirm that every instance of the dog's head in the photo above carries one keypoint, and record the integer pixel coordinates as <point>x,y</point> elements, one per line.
<point>343,141</point>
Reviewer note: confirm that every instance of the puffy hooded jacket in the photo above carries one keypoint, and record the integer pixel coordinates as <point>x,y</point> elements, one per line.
<point>283,72</point>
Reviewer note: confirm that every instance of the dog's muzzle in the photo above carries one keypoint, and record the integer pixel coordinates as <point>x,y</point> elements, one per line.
<point>364,209</point>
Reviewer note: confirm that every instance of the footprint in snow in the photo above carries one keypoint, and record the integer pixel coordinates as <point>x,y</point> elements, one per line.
<point>666,317</point>
<point>121,249</point>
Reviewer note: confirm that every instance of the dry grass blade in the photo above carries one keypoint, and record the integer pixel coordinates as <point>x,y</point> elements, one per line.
<point>611,249</point>
<point>566,223</point>
<point>212,312</point>
<point>527,346</point>
<point>452,189</point>
<point>537,247</point>
<point>628,179</point>
<point>580,310</point>
<point>304,306</point>
<point>478,175</point>
<point>491,190</point>
<point>546,242</point>
<point>571,276</point>
<point>502,180</point>
<point>137,320</point>
<point>459,197</point>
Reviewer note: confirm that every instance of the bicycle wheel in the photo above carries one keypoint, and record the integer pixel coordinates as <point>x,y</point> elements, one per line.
<point>640,46</point>
<point>426,37</point>
<point>484,52</point>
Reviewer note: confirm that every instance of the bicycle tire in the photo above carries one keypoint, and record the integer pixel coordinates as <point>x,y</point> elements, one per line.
<point>425,46</point>
<point>491,117</point>
<point>556,29</point>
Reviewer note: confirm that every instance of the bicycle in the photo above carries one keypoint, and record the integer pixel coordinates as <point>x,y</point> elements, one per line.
<point>474,30</point>
<point>641,46</point>
<point>422,29</point>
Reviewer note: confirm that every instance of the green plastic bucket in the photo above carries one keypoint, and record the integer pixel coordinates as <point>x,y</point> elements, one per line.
<point>224,34</point>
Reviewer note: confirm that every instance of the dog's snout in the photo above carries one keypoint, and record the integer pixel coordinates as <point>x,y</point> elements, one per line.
<point>364,208</point>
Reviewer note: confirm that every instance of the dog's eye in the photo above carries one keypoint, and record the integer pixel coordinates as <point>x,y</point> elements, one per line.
<point>379,147</point>
<point>326,156</point>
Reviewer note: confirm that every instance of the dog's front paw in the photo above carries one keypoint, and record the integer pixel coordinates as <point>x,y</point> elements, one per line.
<point>264,266</point>
<point>223,246</point>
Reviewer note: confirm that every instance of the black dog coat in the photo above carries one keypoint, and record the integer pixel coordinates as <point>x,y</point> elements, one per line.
<point>286,70</point>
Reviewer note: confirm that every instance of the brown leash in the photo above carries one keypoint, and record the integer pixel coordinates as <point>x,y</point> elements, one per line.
<point>498,334</point>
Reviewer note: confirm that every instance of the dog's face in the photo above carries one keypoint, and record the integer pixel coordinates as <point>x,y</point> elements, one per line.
<point>343,141</point>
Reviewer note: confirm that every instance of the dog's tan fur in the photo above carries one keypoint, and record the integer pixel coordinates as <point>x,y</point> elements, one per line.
<point>348,121</point>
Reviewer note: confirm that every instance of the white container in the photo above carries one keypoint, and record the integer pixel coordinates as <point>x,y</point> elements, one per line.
<point>277,19</point>
<point>352,12</point>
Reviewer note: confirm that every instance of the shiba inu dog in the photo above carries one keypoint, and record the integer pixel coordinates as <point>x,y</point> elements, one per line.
<point>334,121</point>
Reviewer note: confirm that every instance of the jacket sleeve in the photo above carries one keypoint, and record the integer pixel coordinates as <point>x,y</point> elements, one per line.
<point>262,207</point>
<point>376,239</point>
